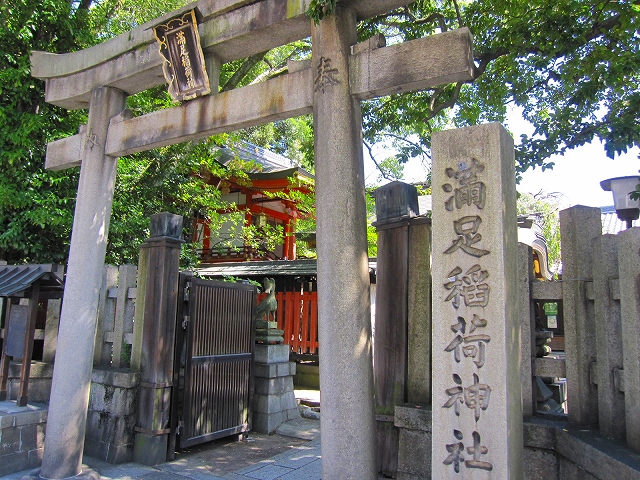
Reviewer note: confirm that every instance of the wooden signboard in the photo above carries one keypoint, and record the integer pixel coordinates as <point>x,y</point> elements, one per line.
<point>183,66</point>
<point>18,323</point>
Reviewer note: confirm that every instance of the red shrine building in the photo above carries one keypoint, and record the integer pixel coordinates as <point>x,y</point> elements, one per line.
<point>263,198</point>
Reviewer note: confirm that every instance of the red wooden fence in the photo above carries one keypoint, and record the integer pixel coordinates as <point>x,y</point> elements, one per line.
<point>297,316</point>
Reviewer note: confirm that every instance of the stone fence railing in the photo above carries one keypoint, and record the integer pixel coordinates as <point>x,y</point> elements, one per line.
<point>600,299</point>
<point>116,310</point>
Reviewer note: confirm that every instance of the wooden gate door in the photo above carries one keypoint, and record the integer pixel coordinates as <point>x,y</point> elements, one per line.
<point>214,360</point>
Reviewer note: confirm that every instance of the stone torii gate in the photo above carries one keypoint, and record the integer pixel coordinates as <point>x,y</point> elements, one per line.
<point>341,74</point>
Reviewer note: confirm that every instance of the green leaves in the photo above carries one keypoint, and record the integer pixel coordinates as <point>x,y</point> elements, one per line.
<point>36,207</point>
<point>572,67</point>
<point>319,9</point>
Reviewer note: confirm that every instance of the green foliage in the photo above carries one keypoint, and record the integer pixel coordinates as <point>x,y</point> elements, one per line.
<point>572,65</point>
<point>390,169</point>
<point>319,9</point>
<point>292,138</point>
<point>36,206</point>
<point>372,234</point>
<point>249,281</point>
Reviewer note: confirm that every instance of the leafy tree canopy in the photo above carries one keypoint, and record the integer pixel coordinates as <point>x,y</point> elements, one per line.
<point>572,65</point>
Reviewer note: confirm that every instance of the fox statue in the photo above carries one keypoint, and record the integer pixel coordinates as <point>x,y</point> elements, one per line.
<point>269,305</point>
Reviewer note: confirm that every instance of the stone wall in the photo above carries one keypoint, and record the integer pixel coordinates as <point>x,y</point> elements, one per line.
<point>21,436</point>
<point>553,450</point>
<point>414,441</point>
<point>111,417</point>
<point>40,375</point>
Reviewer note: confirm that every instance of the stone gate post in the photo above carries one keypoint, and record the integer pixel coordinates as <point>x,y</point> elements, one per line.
<point>629,262</point>
<point>402,344</point>
<point>66,423</point>
<point>344,309</point>
<point>579,226</point>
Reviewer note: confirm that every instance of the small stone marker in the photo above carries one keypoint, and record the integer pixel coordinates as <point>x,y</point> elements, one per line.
<point>477,409</point>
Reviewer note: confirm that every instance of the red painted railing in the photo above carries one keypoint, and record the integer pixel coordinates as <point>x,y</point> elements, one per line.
<point>297,316</point>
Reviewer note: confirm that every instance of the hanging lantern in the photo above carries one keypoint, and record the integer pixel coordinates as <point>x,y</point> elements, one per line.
<point>260,220</point>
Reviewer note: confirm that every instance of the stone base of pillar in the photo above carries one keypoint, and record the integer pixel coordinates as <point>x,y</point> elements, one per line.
<point>414,448</point>
<point>150,449</point>
<point>87,473</point>
<point>274,401</point>
<point>22,433</point>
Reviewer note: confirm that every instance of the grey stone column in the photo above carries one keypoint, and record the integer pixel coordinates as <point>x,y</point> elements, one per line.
<point>477,394</point>
<point>579,226</point>
<point>528,328</point>
<point>66,424</point>
<point>419,313</point>
<point>629,262</point>
<point>611,408</point>
<point>346,371</point>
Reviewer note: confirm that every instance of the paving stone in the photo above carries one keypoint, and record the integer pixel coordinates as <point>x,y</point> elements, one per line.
<point>297,458</point>
<point>311,471</point>
<point>252,468</point>
<point>269,472</point>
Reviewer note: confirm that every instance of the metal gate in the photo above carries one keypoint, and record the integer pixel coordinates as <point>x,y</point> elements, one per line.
<point>214,360</point>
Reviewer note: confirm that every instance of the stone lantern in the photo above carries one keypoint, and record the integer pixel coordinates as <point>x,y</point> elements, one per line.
<point>627,209</point>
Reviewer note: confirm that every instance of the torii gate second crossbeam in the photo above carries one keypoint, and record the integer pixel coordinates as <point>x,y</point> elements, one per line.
<point>342,74</point>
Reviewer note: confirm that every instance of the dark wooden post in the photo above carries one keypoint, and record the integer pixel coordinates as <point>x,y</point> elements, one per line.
<point>4,359</point>
<point>18,343</point>
<point>27,349</point>
<point>396,204</point>
<point>162,250</point>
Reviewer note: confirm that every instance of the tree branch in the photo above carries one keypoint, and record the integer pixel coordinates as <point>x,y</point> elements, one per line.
<point>380,169</point>
<point>444,105</point>
<point>245,68</point>
<point>460,22</point>
<point>403,139</point>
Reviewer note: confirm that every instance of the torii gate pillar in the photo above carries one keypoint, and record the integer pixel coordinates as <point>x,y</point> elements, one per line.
<point>346,371</point>
<point>72,370</point>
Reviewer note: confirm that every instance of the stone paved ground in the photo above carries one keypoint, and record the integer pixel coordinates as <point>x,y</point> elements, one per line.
<point>292,453</point>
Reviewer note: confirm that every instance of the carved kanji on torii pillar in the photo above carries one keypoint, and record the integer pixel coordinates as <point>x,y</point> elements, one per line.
<point>342,73</point>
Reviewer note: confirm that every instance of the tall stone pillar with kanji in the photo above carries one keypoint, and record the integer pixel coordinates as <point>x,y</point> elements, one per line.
<point>477,405</point>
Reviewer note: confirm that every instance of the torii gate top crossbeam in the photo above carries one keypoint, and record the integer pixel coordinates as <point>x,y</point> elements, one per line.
<point>416,65</point>
<point>229,30</point>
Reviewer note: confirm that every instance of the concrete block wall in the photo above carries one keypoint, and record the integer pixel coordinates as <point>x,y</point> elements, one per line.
<point>111,417</point>
<point>274,400</point>
<point>22,432</point>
